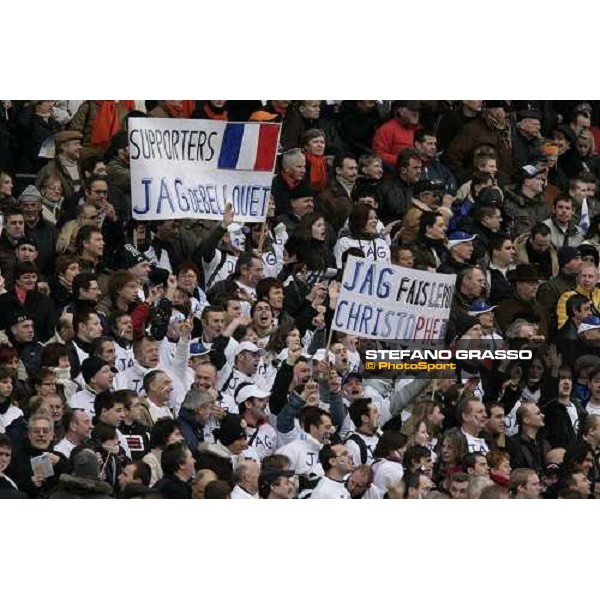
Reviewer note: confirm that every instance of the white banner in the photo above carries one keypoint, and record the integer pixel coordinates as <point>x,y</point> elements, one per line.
<point>381,301</point>
<point>191,168</point>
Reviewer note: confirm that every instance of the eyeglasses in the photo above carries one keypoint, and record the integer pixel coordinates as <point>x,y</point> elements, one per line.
<point>100,192</point>
<point>41,430</point>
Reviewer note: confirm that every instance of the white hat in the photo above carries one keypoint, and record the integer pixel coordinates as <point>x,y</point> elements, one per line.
<point>250,391</point>
<point>250,347</point>
<point>320,355</point>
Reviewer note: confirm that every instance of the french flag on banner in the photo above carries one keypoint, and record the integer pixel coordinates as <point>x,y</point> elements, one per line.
<point>249,146</point>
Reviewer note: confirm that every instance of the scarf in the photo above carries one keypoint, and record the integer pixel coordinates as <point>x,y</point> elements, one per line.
<point>501,127</point>
<point>188,107</point>
<point>107,121</point>
<point>214,113</point>
<point>173,110</point>
<point>65,283</point>
<point>318,171</point>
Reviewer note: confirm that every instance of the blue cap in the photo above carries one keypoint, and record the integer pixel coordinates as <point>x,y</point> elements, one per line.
<point>197,349</point>
<point>479,307</point>
<point>591,322</point>
<point>459,237</point>
<point>351,375</point>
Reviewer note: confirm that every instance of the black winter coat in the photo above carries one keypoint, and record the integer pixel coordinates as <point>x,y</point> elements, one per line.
<point>527,453</point>
<point>39,306</point>
<point>559,430</point>
<point>71,488</point>
<point>20,471</point>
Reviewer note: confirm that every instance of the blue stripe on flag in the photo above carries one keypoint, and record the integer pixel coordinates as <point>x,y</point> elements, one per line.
<point>230,148</point>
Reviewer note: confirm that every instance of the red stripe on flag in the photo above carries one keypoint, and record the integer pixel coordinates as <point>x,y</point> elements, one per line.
<point>267,147</point>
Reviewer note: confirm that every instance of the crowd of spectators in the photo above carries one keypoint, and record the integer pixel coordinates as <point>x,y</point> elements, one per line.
<point>195,359</point>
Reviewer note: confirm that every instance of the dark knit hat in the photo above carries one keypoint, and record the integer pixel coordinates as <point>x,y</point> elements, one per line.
<point>91,365</point>
<point>231,429</point>
<point>131,257</point>
<point>464,324</point>
<point>567,254</point>
<point>302,190</point>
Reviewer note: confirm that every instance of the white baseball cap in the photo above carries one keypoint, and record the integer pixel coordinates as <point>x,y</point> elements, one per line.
<point>250,391</point>
<point>250,347</point>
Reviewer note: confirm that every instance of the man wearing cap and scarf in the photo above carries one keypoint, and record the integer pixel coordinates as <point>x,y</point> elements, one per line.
<point>43,232</point>
<point>398,133</point>
<point>527,136</point>
<point>523,304</point>
<point>426,198</point>
<point>523,203</point>
<point>493,129</point>
<point>65,165</point>
<point>460,246</point>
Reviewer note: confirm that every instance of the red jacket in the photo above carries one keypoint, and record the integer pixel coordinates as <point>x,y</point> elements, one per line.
<point>391,138</point>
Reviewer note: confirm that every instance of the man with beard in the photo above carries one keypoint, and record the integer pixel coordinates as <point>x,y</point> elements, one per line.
<point>252,402</point>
